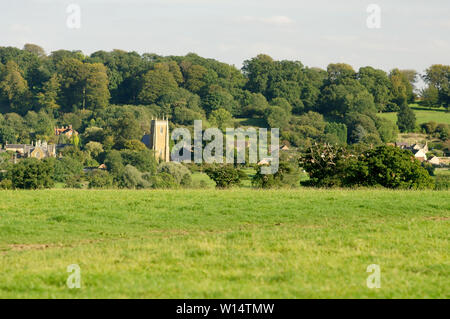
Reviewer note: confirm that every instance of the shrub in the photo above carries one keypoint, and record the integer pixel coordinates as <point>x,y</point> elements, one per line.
<point>114,164</point>
<point>6,184</point>
<point>163,181</point>
<point>100,179</point>
<point>224,176</point>
<point>132,178</point>
<point>31,173</point>
<point>429,128</point>
<point>286,176</point>
<point>384,166</point>
<point>326,164</point>
<point>143,160</point>
<point>389,167</point>
<point>73,181</point>
<point>392,107</point>
<point>180,173</point>
<point>429,167</point>
<point>443,131</point>
<point>65,168</point>
<point>186,181</point>
<point>442,182</point>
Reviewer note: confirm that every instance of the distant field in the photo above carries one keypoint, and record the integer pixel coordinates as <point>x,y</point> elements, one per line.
<point>250,122</point>
<point>442,172</point>
<point>224,244</point>
<point>423,115</point>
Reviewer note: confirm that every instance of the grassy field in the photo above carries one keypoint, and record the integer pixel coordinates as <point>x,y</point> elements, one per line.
<point>442,172</point>
<point>423,115</point>
<point>224,244</point>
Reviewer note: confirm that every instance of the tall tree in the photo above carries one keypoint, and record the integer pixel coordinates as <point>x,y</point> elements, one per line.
<point>410,79</point>
<point>438,76</point>
<point>406,121</point>
<point>48,98</point>
<point>156,83</point>
<point>378,84</point>
<point>73,83</point>
<point>14,88</point>
<point>340,71</point>
<point>194,77</point>
<point>399,87</point>
<point>35,49</point>
<point>96,87</point>
<point>348,95</point>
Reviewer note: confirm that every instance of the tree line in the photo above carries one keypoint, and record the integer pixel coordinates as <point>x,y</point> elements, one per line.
<point>336,105</point>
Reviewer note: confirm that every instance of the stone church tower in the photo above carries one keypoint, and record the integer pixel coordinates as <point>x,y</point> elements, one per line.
<point>158,139</point>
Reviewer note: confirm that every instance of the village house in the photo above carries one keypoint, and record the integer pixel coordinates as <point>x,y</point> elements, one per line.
<point>67,131</point>
<point>37,150</point>
<point>434,161</point>
<point>419,151</point>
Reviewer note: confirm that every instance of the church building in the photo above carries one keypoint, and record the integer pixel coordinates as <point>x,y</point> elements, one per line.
<point>158,139</point>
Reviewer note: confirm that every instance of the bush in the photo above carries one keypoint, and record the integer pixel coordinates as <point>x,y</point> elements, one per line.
<point>180,173</point>
<point>186,181</point>
<point>389,167</point>
<point>6,184</point>
<point>429,167</point>
<point>392,107</point>
<point>73,181</point>
<point>133,179</point>
<point>442,183</point>
<point>31,173</point>
<point>384,166</point>
<point>100,179</point>
<point>429,128</point>
<point>326,164</point>
<point>143,160</point>
<point>65,168</point>
<point>443,131</point>
<point>224,176</point>
<point>286,176</point>
<point>163,181</point>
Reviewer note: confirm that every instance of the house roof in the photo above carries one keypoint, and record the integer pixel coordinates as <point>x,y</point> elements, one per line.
<point>420,153</point>
<point>264,162</point>
<point>16,145</point>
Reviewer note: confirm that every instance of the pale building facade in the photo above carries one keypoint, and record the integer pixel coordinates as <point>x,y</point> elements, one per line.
<point>158,139</point>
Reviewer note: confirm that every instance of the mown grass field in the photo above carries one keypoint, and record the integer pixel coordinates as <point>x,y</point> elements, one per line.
<point>423,115</point>
<point>224,244</point>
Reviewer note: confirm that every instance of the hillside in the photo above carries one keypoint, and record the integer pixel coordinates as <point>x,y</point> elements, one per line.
<point>423,115</point>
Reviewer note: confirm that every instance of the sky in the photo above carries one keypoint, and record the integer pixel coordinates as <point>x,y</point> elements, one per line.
<point>412,35</point>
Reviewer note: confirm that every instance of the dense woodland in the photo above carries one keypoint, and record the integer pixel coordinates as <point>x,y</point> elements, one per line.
<point>110,98</point>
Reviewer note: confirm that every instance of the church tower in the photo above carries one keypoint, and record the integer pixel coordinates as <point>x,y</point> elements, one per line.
<point>158,139</point>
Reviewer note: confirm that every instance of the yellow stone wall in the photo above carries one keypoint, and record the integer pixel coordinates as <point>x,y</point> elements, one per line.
<point>160,142</point>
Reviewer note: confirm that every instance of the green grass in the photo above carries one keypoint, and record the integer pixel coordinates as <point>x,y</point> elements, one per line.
<point>224,244</point>
<point>250,122</point>
<point>201,180</point>
<point>423,115</point>
<point>442,172</point>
